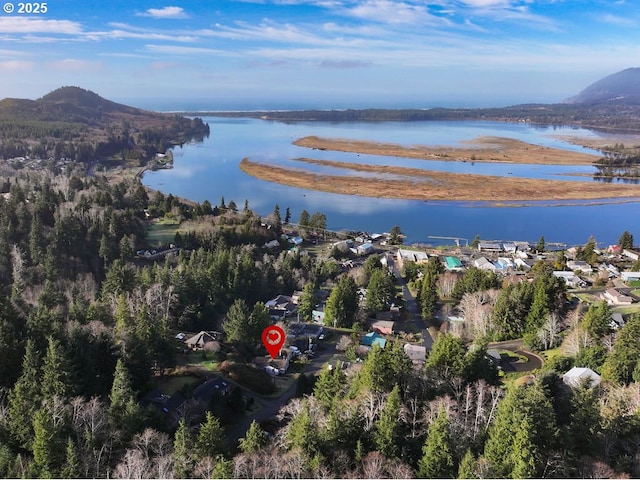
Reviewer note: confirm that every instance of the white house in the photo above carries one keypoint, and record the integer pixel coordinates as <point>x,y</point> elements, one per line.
<point>577,375</point>
<point>483,264</point>
<point>579,265</point>
<point>570,278</point>
<point>614,297</point>
<point>629,276</point>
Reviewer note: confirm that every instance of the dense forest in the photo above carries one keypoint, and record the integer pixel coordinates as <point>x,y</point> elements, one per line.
<point>78,125</point>
<point>610,117</point>
<point>87,326</point>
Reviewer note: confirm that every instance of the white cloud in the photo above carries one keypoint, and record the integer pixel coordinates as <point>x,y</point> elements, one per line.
<point>392,12</point>
<point>618,20</point>
<point>16,66</point>
<point>38,25</point>
<point>166,12</point>
<point>75,65</point>
<point>180,50</point>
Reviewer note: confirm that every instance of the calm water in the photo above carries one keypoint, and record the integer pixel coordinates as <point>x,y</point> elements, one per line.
<point>210,170</point>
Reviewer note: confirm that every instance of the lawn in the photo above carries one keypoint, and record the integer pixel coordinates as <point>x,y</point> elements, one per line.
<point>162,232</point>
<point>628,310</point>
<point>171,384</point>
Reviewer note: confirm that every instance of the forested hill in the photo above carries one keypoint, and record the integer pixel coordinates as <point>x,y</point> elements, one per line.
<point>619,117</point>
<point>80,125</point>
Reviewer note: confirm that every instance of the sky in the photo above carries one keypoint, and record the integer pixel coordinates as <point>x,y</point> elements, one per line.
<point>254,54</point>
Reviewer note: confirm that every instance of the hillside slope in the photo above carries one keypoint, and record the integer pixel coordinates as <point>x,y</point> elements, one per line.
<point>78,124</point>
<point>620,88</point>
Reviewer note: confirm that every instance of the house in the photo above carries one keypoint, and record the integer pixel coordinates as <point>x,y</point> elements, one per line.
<point>615,249</point>
<point>311,330</point>
<point>579,265</point>
<point>373,338</point>
<point>509,247</point>
<point>617,321</point>
<point>317,315</point>
<point>632,254</point>
<point>411,256</point>
<point>522,264</point>
<point>365,249</point>
<point>505,263</point>
<point>453,264</point>
<point>483,264</point>
<point>207,341</point>
<point>579,375</point>
<point>384,327</point>
<point>272,244</point>
<point>614,297</point>
<point>629,276</point>
<point>416,353</point>
<point>281,306</point>
<point>489,247</point>
<point>570,278</point>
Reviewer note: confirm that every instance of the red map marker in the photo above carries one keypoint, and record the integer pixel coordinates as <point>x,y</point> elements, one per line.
<point>273,339</point>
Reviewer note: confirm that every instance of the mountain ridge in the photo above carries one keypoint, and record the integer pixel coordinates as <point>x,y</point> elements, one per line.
<point>621,88</point>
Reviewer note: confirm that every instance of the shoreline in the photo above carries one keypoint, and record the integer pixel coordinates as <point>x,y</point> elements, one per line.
<point>482,149</point>
<point>432,185</point>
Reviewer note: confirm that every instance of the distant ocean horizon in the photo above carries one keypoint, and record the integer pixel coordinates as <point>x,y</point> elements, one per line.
<point>262,104</point>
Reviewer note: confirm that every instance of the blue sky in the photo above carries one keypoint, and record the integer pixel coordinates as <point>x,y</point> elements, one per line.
<point>324,53</point>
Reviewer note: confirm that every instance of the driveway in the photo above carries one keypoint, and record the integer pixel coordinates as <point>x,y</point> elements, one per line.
<point>411,309</point>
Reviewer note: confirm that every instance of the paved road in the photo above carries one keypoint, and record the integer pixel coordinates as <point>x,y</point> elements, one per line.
<point>535,361</point>
<point>411,308</point>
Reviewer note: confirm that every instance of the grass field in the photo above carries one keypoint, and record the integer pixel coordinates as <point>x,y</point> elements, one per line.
<point>172,384</point>
<point>162,232</point>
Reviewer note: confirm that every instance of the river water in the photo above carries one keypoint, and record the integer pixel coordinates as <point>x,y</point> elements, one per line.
<point>210,170</point>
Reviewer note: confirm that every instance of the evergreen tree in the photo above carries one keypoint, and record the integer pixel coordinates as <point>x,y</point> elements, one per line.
<point>540,246</point>
<point>438,451</point>
<point>447,357</point>
<point>621,362</point>
<point>301,432</point>
<point>380,291</point>
<point>72,465</point>
<point>395,236</point>
<point>626,240</point>
<point>254,439</point>
<point>467,468</point>
<point>235,325</point>
<point>307,301</point>
<point>211,440</point>
<point>123,408</point>
<point>597,320</point>
<point>342,304</point>
<point>523,433</point>
<point>25,398</point>
<point>304,219</point>
<point>182,448</point>
<point>428,296</point>
<point>329,386</point>
<point>287,216</point>
<point>277,220</point>
<point>55,372</point>
<point>387,429</point>
<point>48,445</point>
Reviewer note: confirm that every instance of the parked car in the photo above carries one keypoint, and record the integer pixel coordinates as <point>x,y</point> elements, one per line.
<point>271,370</point>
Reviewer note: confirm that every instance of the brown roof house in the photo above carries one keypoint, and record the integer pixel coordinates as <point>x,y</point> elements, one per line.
<point>614,297</point>
<point>207,341</point>
<point>384,327</point>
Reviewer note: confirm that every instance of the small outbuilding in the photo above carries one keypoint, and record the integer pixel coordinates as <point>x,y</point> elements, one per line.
<point>579,375</point>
